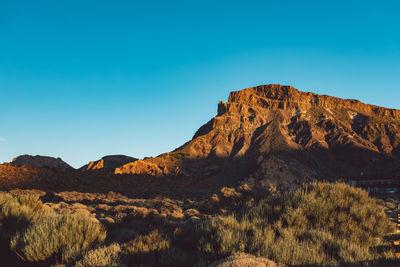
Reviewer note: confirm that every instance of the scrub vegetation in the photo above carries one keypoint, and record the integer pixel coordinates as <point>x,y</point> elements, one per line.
<point>318,224</point>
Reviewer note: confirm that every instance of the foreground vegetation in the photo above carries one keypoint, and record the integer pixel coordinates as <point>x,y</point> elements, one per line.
<point>319,224</point>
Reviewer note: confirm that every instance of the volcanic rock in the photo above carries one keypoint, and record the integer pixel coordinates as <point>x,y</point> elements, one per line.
<point>277,135</point>
<point>108,163</point>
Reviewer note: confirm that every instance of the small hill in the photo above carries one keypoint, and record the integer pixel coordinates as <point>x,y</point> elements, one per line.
<point>40,161</point>
<point>108,163</point>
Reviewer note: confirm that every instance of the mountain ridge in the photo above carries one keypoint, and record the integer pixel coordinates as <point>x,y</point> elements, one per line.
<point>275,135</point>
<point>273,130</point>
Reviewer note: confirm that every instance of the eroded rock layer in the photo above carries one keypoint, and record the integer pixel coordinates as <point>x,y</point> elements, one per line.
<point>276,135</point>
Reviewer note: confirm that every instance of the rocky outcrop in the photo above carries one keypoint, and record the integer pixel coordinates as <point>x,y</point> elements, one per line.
<point>276,96</point>
<point>40,161</point>
<point>108,163</point>
<point>143,167</point>
<point>276,135</point>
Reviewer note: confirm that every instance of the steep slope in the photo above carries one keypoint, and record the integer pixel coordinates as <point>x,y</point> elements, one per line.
<point>40,161</point>
<point>108,163</point>
<point>277,135</point>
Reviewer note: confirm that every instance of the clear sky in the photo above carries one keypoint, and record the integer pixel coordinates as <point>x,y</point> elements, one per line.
<point>84,79</point>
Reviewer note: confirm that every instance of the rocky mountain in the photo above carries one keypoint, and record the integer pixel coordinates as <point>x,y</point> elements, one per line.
<point>108,163</point>
<point>275,135</point>
<point>40,161</point>
<point>269,136</point>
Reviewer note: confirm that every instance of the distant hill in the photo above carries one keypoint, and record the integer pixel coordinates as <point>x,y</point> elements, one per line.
<point>40,161</point>
<point>108,163</point>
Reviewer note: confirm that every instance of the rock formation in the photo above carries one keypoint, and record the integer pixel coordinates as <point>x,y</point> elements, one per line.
<point>269,136</point>
<point>276,135</point>
<point>40,161</point>
<point>108,163</point>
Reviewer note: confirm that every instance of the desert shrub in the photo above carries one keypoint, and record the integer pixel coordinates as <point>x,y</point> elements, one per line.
<point>146,249</point>
<point>17,212</point>
<point>380,201</point>
<point>102,257</point>
<point>157,241</point>
<point>390,205</point>
<point>242,259</point>
<point>320,223</point>
<point>61,237</point>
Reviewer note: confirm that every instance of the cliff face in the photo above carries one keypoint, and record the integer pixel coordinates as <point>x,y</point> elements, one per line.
<point>40,161</point>
<point>276,96</point>
<point>274,135</point>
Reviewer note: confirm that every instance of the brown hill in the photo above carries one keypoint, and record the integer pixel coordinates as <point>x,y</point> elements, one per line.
<point>40,161</point>
<point>108,163</point>
<point>276,135</point>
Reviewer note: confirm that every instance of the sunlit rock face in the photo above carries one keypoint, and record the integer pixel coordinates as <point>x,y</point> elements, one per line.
<point>274,134</point>
<point>108,163</point>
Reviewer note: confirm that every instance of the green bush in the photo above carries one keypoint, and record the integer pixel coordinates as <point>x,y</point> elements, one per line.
<point>65,237</point>
<point>320,223</point>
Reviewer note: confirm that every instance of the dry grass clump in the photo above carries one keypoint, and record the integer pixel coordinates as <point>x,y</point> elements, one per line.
<point>242,259</point>
<point>105,256</point>
<point>230,200</point>
<point>103,207</point>
<point>16,212</point>
<point>49,237</point>
<point>154,240</point>
<point>321,223</point>
<point>191,212</point>
<point>168,246</point>
<point>74,196</point>
<point>36,232</point>
<point>77,209</point>
<point>146,249</point>
<point>229,193</point>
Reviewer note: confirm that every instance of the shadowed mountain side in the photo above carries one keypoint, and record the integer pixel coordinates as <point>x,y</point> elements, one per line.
<point>138,186</point>
<point>275,133</point>
<point>108,163</point>
<point>40,161</point>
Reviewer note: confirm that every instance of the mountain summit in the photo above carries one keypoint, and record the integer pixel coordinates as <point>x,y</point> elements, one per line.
<point>275,134</point>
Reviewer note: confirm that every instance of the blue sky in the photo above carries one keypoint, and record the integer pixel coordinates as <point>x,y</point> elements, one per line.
<point>84,79</point>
